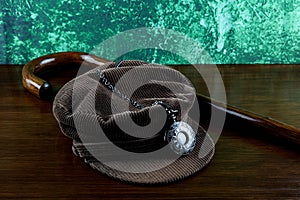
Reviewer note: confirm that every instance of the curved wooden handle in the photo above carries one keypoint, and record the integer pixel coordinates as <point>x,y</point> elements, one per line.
<point>41,88</point>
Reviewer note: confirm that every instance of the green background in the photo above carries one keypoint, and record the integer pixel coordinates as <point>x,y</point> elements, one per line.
<point>231,31</point>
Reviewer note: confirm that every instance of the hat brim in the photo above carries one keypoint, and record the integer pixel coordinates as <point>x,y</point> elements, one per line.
<point>183,167</point>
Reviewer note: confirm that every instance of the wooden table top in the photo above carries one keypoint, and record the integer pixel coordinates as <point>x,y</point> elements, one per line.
<point>37,160</point>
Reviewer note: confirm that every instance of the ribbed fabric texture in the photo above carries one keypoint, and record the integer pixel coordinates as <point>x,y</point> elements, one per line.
<point>87,100</point>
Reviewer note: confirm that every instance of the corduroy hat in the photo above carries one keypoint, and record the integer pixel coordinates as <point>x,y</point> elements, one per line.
<point>134,122</point>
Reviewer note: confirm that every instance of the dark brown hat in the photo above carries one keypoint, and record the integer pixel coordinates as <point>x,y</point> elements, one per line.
<point>124,117</point>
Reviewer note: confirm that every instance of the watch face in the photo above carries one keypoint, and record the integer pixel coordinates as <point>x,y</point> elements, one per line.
<point>181,138</point>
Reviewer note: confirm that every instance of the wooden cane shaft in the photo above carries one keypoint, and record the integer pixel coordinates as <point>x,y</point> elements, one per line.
<point>235,117</point>
<point>251,123</point>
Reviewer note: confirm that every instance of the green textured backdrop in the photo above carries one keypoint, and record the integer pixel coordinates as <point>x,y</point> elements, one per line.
<point>232,31</point>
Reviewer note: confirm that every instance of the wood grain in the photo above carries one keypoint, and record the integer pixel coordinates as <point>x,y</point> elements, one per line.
<point>37,161</point>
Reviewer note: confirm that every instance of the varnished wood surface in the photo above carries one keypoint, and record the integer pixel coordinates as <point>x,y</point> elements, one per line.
<point>37,161</point>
